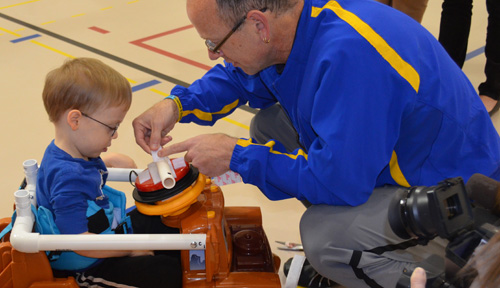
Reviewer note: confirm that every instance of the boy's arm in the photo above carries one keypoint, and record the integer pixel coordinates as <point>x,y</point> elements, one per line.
<point>118,160</point>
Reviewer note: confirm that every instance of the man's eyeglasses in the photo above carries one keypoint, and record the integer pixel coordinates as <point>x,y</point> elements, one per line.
<point>214,48</point>
<point>111,128</point>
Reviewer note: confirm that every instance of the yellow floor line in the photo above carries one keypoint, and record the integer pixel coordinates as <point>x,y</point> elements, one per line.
<point>48,22</point>
<point>159,92</point>
<point>18,4</point>
<point>131,81</point>
<point>236,123</point>
<point>52,49</point>
<point>10,32</point>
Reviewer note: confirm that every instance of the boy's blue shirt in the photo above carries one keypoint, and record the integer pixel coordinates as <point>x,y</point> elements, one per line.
<point>65,184</point>
<point>374,98</point>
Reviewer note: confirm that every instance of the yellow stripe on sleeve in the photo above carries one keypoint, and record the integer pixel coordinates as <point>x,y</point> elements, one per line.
<point>207,116</point>
<point>270,144</point>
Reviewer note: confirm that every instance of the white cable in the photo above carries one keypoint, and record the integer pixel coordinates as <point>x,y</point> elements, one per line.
<point>292,280</point>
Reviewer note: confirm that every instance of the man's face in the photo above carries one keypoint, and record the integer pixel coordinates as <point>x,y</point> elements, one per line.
<point>237,49</point>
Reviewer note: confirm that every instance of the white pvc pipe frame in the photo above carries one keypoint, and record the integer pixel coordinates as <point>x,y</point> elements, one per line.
<point>23,239</point>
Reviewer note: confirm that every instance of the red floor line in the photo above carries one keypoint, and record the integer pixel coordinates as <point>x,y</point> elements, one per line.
<point>100,30</point>
<point>163,34</point>
<point>173,56</point>
<point>140,43</point>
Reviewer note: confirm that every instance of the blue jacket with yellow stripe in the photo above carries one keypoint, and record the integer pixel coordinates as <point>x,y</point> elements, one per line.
<point>374,98</point>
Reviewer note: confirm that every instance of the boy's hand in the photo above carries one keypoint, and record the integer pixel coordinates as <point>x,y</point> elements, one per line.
<point>152,126</point>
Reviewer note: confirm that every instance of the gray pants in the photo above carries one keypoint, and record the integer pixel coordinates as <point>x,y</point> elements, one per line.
<point>354,245</point>
<point>348,244</point>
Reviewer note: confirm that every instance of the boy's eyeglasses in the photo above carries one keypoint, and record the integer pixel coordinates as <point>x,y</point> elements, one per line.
<point>111,128</point>
<point>214,48</point>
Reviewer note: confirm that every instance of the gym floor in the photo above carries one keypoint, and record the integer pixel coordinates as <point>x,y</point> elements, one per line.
<point>153,44</point>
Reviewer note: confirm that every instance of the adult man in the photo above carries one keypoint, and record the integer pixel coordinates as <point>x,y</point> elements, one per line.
<point>374,99</point>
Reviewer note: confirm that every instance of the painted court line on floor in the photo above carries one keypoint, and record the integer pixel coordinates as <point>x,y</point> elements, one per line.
<point>141,43</point>
<point>18,4</point>
<point>25,38</point>
<point>474,53</point>
<point>145,85</point>
<point>100,30</point>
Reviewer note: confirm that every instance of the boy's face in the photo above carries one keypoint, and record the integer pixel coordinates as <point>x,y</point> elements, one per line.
<point>95,131</point>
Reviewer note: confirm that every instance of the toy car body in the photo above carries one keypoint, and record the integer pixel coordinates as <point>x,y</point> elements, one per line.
<point>224,246</point>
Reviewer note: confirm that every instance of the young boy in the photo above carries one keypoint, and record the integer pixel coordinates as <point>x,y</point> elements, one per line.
<point>87,100</point>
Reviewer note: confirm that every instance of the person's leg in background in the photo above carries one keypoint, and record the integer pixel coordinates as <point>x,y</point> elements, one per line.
<point>454,36</point>
<point>413,8</point>
<point>386,2</point>
<point>454,28</point>
<point>489,90</point>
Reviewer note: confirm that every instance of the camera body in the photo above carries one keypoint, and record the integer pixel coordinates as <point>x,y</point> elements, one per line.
<point>444,210</point>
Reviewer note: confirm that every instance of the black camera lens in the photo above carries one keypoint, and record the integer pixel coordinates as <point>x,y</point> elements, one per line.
<point>426,212</point>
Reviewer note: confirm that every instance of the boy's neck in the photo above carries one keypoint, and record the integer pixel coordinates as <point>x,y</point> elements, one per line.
<point>65,143</point>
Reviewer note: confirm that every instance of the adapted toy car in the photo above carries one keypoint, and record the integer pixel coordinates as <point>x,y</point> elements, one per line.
<point>220,246</point>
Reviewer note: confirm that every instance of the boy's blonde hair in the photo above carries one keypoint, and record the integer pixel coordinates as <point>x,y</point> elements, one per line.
<point>85,84</point>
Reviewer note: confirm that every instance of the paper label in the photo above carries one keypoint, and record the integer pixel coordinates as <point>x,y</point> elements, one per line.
<point>229,177</point>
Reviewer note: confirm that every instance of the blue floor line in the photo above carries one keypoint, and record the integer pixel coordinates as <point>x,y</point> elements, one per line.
<point>145,85</point>
<point>474,53</point>
<point>25,38</point>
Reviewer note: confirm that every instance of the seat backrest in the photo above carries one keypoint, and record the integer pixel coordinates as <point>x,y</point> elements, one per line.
<point>4,222</point>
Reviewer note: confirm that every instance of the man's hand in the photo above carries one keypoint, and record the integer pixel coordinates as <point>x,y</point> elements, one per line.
<point>210,153</point>
<point>152,126</point>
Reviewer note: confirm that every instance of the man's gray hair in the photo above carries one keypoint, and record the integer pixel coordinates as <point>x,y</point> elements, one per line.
<point>232,11</point>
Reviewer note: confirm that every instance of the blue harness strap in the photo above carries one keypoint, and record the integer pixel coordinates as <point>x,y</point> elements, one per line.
<point>6,230</point>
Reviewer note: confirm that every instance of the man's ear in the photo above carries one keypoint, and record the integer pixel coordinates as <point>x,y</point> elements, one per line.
<point>74,117</point>
<point>261,24</point>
